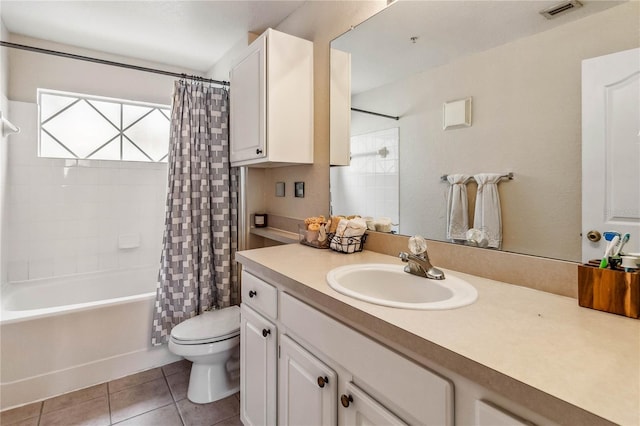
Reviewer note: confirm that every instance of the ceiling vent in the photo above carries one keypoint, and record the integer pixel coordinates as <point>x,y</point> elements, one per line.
<point>560,8</point>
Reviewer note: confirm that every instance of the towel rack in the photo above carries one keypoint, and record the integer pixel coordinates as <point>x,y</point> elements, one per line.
<point>509,176</point>
<point>382,152</point>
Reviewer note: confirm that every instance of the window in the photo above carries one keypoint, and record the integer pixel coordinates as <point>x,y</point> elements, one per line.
<point>72,125</point>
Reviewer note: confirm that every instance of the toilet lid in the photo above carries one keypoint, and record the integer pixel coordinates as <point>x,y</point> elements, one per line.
<point>209,325</point>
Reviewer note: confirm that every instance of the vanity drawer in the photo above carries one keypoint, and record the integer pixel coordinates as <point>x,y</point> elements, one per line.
<point>259,294</point>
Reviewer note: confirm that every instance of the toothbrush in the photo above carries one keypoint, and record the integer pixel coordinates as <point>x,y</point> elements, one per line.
<point>607,252</point>
<point>623,241</point>
<point>608,235</point>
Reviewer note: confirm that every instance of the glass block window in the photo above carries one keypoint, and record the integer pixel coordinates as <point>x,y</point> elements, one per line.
<point>78,126</point>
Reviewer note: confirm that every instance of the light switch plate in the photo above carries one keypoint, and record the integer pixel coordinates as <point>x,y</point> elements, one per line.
<point>280,189</point>
<point>299,189</point>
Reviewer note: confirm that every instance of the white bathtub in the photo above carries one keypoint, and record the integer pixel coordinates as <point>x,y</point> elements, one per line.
<point>66,333</point>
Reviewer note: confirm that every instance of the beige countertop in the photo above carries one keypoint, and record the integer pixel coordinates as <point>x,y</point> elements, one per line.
<point>570,364</point>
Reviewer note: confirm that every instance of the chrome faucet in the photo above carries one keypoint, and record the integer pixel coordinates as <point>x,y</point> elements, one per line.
<point>419,264</point>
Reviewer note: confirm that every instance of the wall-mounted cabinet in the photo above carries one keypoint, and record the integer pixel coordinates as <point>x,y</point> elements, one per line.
<point>272,102</point>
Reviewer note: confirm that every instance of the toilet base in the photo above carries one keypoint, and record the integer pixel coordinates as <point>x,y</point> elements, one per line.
<point>209,383</point>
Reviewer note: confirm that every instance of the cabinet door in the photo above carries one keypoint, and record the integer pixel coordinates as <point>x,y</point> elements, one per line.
<point>359,409</point>
<point>307,387</point>
<point>248,104</point>
<point>258,363</point>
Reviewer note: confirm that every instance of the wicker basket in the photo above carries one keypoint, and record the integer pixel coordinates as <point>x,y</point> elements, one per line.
<point>310,238</point>
<point>347,244</point>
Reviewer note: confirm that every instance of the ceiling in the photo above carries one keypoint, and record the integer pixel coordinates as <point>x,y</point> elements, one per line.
<point>383,50</point>
<point>188,34</point>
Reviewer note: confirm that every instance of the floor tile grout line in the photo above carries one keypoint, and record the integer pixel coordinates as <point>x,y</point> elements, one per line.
<point>139,372</point>
<point>173,398</point>
<point>109,404</point>
<point>225,419</point>
<point>40,413</point>
<point>146,412</point>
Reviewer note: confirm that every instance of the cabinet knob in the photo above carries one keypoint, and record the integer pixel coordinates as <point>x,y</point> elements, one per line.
<point>258,151</point>
<point>345,400</point>
<point>252,293</point>
<point>322,381</point>
<point>265,332</point>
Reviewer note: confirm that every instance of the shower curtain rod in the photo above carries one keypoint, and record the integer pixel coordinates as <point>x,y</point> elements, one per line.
<point>112,63</point>
<point>393,117</point>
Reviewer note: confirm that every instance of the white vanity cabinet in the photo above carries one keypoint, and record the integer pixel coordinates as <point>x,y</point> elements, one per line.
<point>375,385</point>
<point>271,102</point>
<point>360,409</point>
<point>307,387</point>
<point>258,352</point>
<point>327,373</point>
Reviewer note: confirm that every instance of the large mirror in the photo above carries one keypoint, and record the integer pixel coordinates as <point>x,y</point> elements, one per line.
<point>521,73</point>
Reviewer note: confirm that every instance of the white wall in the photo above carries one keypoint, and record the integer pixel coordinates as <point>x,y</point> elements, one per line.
<point>526,119</point>
<point>65,216</point>
<point>4,108</point>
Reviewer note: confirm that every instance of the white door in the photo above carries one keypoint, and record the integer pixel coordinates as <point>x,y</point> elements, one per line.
<point>359,409</point>
<point>611,149</point>
<point>258,363</point>
<point>307,387</point>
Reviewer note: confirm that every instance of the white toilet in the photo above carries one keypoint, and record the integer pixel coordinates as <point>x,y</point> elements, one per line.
<point>211,341</point>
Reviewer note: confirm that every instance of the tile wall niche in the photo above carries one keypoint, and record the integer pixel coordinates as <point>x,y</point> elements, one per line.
<point>65,216</point>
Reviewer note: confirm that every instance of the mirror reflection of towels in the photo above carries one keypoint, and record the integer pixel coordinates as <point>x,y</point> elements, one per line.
<point>457,207</point>
<point>488,217</point>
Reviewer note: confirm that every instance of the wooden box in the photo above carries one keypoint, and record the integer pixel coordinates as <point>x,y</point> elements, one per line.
<point>609,290</point>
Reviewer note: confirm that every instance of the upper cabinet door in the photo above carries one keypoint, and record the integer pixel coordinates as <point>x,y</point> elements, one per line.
<point>248,100</point>
<point>272,102</point>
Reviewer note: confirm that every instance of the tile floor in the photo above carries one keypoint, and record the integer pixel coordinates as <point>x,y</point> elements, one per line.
<point>156,397</point>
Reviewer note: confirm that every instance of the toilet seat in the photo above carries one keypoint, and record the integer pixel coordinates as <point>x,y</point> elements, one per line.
<point>208,327</point>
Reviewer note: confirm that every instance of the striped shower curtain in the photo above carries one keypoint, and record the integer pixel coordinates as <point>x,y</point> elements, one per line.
<point>197,270</point>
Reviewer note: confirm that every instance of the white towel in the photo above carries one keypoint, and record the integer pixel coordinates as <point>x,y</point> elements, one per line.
<point>488,217</point>
<point>457,207</point>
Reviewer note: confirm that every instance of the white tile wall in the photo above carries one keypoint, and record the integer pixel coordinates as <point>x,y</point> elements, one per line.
<point>370,185</point>
<point>65,216</point>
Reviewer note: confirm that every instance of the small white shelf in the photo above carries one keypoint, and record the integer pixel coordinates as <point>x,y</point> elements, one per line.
<point>276,234</point>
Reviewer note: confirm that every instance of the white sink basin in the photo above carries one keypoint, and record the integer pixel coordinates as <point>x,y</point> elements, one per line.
<point>388,285</point>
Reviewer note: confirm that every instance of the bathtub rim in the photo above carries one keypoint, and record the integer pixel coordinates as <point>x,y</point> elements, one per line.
<point>9,316</point>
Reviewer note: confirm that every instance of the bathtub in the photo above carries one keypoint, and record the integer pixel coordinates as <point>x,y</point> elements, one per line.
<point>65,333</point>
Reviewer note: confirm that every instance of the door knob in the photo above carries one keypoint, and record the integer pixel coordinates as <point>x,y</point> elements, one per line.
<point>322,381</point>
<point>594,236</point>
<point>265,332</point>
<point>252,293</point>
<point>345,400</point>
<point>258,151</point>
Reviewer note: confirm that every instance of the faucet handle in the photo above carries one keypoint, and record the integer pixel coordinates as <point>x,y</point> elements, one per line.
<point>417,244</point>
